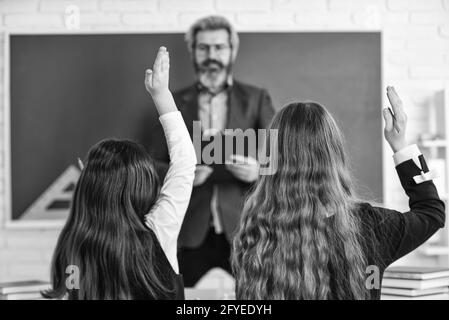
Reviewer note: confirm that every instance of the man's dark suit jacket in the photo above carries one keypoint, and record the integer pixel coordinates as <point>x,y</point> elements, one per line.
<point>248,107</point>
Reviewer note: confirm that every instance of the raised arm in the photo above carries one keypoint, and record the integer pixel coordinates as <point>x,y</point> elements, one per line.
<point>166,216</point>
<point>400,233</point>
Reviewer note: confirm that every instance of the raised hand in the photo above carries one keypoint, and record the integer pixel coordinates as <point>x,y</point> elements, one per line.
<point>156,80</point>
<point>156,83</point>
<point>395,125</point>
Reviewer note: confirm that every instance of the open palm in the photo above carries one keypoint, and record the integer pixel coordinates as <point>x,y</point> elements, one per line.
<point>395,125</point>
<point>156,80</point>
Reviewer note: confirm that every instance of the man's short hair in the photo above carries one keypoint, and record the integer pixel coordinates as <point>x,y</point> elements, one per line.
<point>212,23</point>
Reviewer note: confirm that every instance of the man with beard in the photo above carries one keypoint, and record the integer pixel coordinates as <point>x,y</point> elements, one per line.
<point>219,102</point>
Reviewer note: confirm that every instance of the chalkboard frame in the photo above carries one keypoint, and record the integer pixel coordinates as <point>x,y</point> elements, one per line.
<point>6,219</point>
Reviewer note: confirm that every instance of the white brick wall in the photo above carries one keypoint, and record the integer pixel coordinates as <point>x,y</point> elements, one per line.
<point>14,6</point>
<point>186,6</point>
<point>299,5</point>
<point>266,19</point>
<point>31,20</point>
<point>59,6</point>
<point>128,6</point>
<point>415,59</point>
<point>243,6</point>
<point>100,19</point>
<point>149,19</point>
<point>354,5</point>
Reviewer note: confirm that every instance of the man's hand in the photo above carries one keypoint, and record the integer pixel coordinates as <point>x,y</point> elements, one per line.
<point>395,126</point>
<point>202,172</point>
<point>243,168</point>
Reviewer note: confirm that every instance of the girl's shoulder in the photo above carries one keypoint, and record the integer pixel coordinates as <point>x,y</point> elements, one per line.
<point>366,211</point>
<point>371,215</point>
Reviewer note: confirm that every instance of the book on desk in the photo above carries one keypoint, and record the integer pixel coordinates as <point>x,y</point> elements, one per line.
<point>415,283</point>
<point>23,290</point>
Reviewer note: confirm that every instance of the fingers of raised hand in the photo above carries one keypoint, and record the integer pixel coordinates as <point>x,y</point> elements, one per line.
<point>159,59</point>
<point>397,105</point>
<point>388,120</point>
<point>148,77</point>
<point>165,64</point>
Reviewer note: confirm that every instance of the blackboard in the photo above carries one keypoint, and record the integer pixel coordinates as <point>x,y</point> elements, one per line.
<point>69,91</point>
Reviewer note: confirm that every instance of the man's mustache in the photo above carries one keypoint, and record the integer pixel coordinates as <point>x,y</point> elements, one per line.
<point>212,63</point>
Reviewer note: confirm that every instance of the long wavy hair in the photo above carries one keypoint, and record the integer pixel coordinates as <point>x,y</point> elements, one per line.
<point>105,236</point>
<point>298,237</point>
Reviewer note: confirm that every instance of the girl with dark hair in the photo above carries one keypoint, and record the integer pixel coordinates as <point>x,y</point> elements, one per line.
<point>123,226</point>
<point>304,234</point>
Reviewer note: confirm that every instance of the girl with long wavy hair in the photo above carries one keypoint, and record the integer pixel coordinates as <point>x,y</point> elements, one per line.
<point>123,226</point>
<point>303,232</point>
